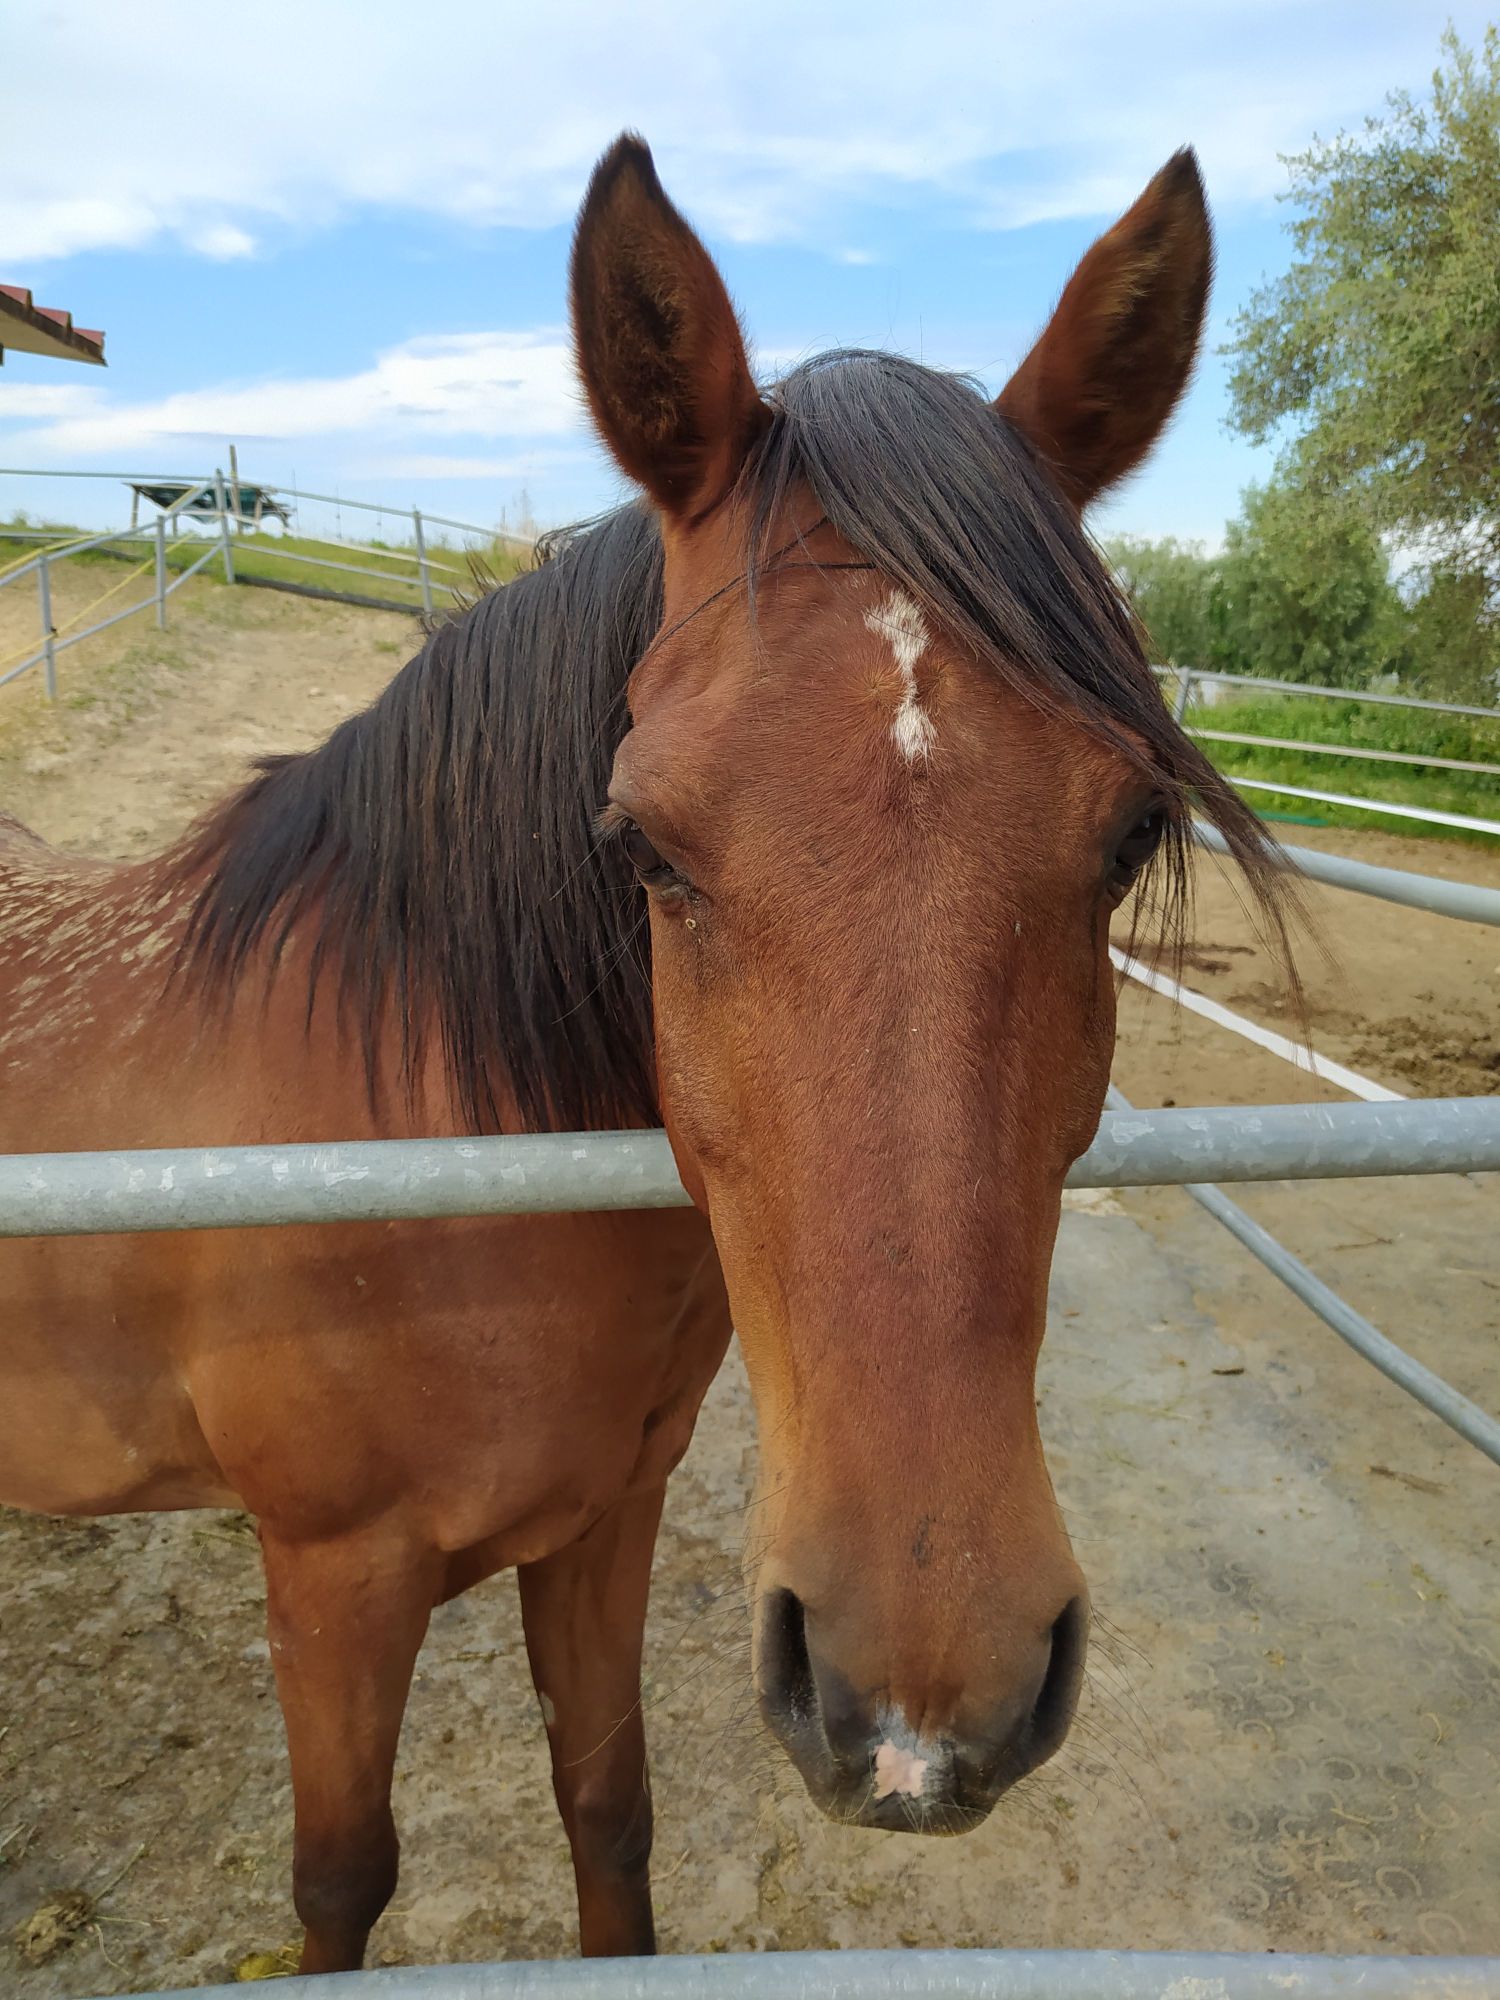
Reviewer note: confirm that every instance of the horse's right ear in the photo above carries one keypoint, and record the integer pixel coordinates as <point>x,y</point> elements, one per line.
<point>659,348</point>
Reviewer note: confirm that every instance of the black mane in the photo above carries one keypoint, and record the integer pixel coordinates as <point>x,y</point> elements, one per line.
<point>441,845</point>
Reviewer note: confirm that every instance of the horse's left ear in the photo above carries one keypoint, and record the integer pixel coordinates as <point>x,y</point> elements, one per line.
<point>659,348</point>
<point>1095,392</point>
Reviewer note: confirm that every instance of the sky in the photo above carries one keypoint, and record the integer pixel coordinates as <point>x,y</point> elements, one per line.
<point>336,235</point>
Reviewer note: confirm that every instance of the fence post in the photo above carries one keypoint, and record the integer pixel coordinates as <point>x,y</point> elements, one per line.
<point>1184,691</point>
<point>161,572</point>
<point>422,572</point>
<point>221,500</point>
<point>44,594</point>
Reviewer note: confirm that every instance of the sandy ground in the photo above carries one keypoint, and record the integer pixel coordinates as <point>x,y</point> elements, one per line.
<point>1401,997</point>
<point>1291,1736</point>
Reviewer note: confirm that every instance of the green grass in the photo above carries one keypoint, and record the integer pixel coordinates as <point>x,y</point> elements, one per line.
<point>276,558</point>
<point>1364,726</point>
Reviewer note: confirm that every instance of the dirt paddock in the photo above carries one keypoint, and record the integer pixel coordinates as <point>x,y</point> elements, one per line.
<point>1291,1734</point>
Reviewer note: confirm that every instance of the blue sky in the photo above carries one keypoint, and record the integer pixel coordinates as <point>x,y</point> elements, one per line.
<point>336,235</point>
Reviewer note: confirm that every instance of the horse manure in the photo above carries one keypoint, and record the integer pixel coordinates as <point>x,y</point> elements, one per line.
<point>268,1964</point>
<point>53,1927</point>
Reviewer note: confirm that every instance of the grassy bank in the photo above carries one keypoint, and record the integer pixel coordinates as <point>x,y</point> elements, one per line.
<point>1359,725</point>
<point>385,570</point>
<point>390,571</point>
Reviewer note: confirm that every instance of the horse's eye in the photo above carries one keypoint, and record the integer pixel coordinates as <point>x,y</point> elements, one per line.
<point>643,857</point>
<point>1138,846</point>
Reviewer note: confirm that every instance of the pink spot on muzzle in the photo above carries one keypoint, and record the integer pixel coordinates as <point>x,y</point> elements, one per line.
<point>899,1771</point>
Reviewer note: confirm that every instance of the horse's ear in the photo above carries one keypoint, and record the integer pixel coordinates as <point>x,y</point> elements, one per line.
<point>659,348</point>
<point>1094,393</point>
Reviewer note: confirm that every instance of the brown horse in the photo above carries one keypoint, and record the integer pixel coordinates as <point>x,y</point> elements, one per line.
<point>882,755</point>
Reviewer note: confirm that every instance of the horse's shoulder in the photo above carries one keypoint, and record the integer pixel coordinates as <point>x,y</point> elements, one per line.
<point>33,870</point>
<point>16,833</point>
<point>51,895</point>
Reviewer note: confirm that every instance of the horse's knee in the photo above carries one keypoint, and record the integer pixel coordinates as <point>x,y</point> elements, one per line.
<point>342,1883</point>
<point>610,1826</point>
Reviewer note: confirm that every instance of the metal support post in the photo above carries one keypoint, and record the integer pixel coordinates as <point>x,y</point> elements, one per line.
<point>221,500</point>
<point>49,650</point>
<point>422,571</point>
<point>161,572</point>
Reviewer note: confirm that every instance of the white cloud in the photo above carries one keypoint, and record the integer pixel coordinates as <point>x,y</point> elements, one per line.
<point>444,465</point>
<point>512,385</point>
<point>47,399</point>
<point>222,241</point>
<point>766,120</point>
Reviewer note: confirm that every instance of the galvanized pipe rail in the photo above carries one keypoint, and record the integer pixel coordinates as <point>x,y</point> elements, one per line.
<point>141,537</point>
<point>386,1180</point>
<point>291,492</point>
<point>1186,678</point>
<point>1429,1389</point>
<point>1360,753</point>
<point>1468,900</point>
<point>428,572</point>
<point>1430,815</point>
<point>52,645</point>
<point>1187,675</point>
<point>913,1975</point>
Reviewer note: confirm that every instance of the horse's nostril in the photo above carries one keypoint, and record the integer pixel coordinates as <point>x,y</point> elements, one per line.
<point>1053,1712</point>
<point>787,1685</point>
<point>888,1762</point>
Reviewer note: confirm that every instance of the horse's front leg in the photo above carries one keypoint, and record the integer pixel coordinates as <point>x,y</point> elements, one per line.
<point>585,1612</point>
<point>346,1619</point>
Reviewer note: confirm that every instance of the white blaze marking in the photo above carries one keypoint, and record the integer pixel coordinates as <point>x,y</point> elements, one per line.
<point>900,622</point>
<point>899,1770</point>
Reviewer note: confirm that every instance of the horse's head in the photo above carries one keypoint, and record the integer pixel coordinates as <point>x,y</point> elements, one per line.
<point>895,758</point>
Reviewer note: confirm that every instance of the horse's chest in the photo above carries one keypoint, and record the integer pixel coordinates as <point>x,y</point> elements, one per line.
<point>505,1380</point>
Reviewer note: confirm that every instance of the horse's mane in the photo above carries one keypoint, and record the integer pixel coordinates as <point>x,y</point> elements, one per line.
<point>439,849</point>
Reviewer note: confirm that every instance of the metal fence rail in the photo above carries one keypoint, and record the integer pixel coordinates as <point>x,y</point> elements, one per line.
<point>419,569</point>
<point>1429,892</point>
<point>1429,1389</point>
<point>1185,679</point>
<point>1389,885</point>
<point>1185,676</point>
<point>914,1975</point>
<point>385,1180</point>
<point>287,492</point>
<point>1463,822</point>
<point>53,643</point>
<point>1362,753</point>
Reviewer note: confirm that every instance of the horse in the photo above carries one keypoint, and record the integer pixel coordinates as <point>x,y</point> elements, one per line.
<point>788,806</point>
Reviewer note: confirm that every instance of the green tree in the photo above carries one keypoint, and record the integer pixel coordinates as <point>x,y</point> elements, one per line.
<point>1380,347</point>
<point>1170,584</point>
<point>1455,639</point>
<point>1302,592</point>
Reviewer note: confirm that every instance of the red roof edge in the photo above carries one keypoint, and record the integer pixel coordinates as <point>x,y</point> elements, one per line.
<point>87,343</point>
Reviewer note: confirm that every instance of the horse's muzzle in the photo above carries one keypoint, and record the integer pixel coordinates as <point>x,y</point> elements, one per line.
<point>867,1762</point>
